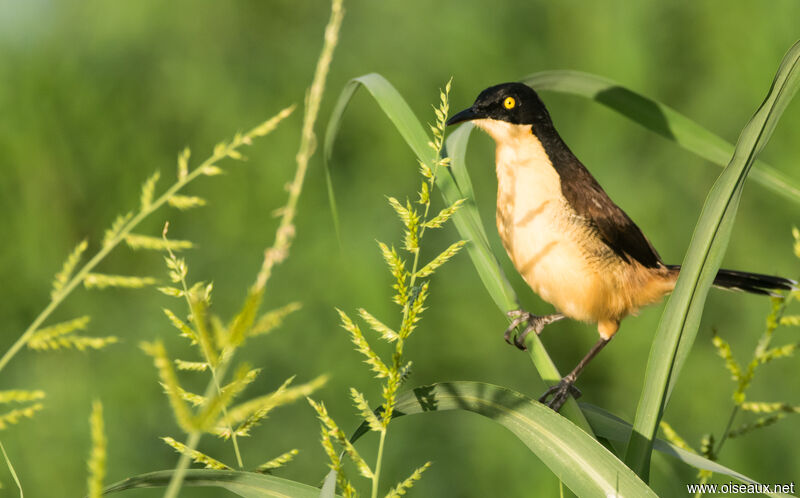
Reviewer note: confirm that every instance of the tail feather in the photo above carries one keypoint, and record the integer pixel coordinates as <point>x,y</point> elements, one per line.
<point>754,283</point>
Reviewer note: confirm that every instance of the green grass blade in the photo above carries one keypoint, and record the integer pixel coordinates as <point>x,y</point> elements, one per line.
<point>660,119</point>
<point>613,428</point>
<point>680,320</point>
<point>454,184</point>
<point>244,484</point>
<point>329,484</point>
<point>579,461</point>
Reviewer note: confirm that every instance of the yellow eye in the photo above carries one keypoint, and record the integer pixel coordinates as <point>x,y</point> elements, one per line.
<point>509,103</point>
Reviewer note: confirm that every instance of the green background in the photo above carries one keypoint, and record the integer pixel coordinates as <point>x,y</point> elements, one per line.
<point>94,96</point>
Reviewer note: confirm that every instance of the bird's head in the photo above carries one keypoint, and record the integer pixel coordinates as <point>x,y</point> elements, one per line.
<point>505,109</point>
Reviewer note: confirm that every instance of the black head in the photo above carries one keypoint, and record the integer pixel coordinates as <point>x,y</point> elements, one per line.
<point>515,103</point>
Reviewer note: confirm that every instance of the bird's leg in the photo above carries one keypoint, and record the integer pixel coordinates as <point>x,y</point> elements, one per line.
<point>566,387</point>
<point>535,323</point>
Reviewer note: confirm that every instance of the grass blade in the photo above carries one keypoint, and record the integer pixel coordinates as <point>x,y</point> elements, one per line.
<point>660,119</point>
<point>678,325</point>
<point>11,470</point>
<point>613,428</point>
<point>454,184</point>
<point>244,484</point>
<point>579,461</point>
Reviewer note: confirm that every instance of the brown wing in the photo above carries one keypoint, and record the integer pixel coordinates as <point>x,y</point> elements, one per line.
<point>590,201</point>
<point>614,227</point>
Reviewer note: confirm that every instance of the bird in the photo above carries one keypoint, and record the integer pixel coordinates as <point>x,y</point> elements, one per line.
<point>569,241</point>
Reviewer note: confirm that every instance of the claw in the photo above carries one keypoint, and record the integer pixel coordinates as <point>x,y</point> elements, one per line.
<point>521,316</point>
<point>535,323</point>
<point>560,392</point>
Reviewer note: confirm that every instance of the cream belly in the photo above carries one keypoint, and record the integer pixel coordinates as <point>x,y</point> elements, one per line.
<point>541,237</point>
<point>554,249</point>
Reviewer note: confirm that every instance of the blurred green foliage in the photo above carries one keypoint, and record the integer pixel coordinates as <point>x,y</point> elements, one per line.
<point>94,96</point>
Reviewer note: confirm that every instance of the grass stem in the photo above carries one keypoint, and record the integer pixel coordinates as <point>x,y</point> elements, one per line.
<point>377,476</point>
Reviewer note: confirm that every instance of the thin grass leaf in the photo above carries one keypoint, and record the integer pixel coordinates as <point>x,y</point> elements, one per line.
<point>724,352</point>
<point>20,396</point>
<point>445,214</point>
<point>480,398</point>
<point>335,477</point>
<point>402,488</point>
<point>257,408</point>
<point>183,163</point>
<point>138,241</point>
<point>213,169</point>
<point>171,385</point>
<point>776,352</point>
<point>762,407</point>
<point>791,320</point>
<point>454,184</point>
<point>60,329</point>
<point>184,329</point>
<point>680,320</point>
<point>615,429</point>
<point>11,470</point>
<point>148,189</point>
<point>196,456</point>
<point>366,412</point>
<point>333,456</point>
<point>240,326</point>
<point>171,291</point>
<point>273,319</point>
<point>337,434</point>
<point>14,416</point>
<point>243,484</point>
<point>403,212</point>
<point>282,396</point>
<point>362,346</point>
<point>578,460</point>
<point>72,341</point>
<point>194,399</point>
<point>102,281</point>
<point>397,266</point>
<point>441,259</point>
<point>62,336</point>
<point>98,456</point>
<point>63,276</point>
<point>184,202</point>
<point>207,418</point>
<point>116,228</point>
<point>251,413</point>
<point>177,268</point>
<point>660,119</point>
<point>796,235</point>
<point>277,462</point>
<point>673,437</point>
<point>194,366</point>
<point>758,424</point>
<point>199,307</point>
<point>387,333</point>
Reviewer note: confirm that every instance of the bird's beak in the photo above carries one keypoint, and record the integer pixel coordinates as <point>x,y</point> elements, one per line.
<point>466,115</point>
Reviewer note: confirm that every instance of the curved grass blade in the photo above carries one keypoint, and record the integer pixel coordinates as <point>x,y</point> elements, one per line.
<point>660,119</point>
<point>613,428</point>
<point>678,326</point>
<point>604,424</point>
<point>244,484</point>
<point>579,461</point>
<point>454,184</point>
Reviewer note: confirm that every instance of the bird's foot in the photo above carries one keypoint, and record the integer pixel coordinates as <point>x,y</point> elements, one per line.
<point>560,392</point>
<point>535,324</point>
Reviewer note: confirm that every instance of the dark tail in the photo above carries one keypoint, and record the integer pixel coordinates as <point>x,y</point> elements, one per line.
<point>754,283</point>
